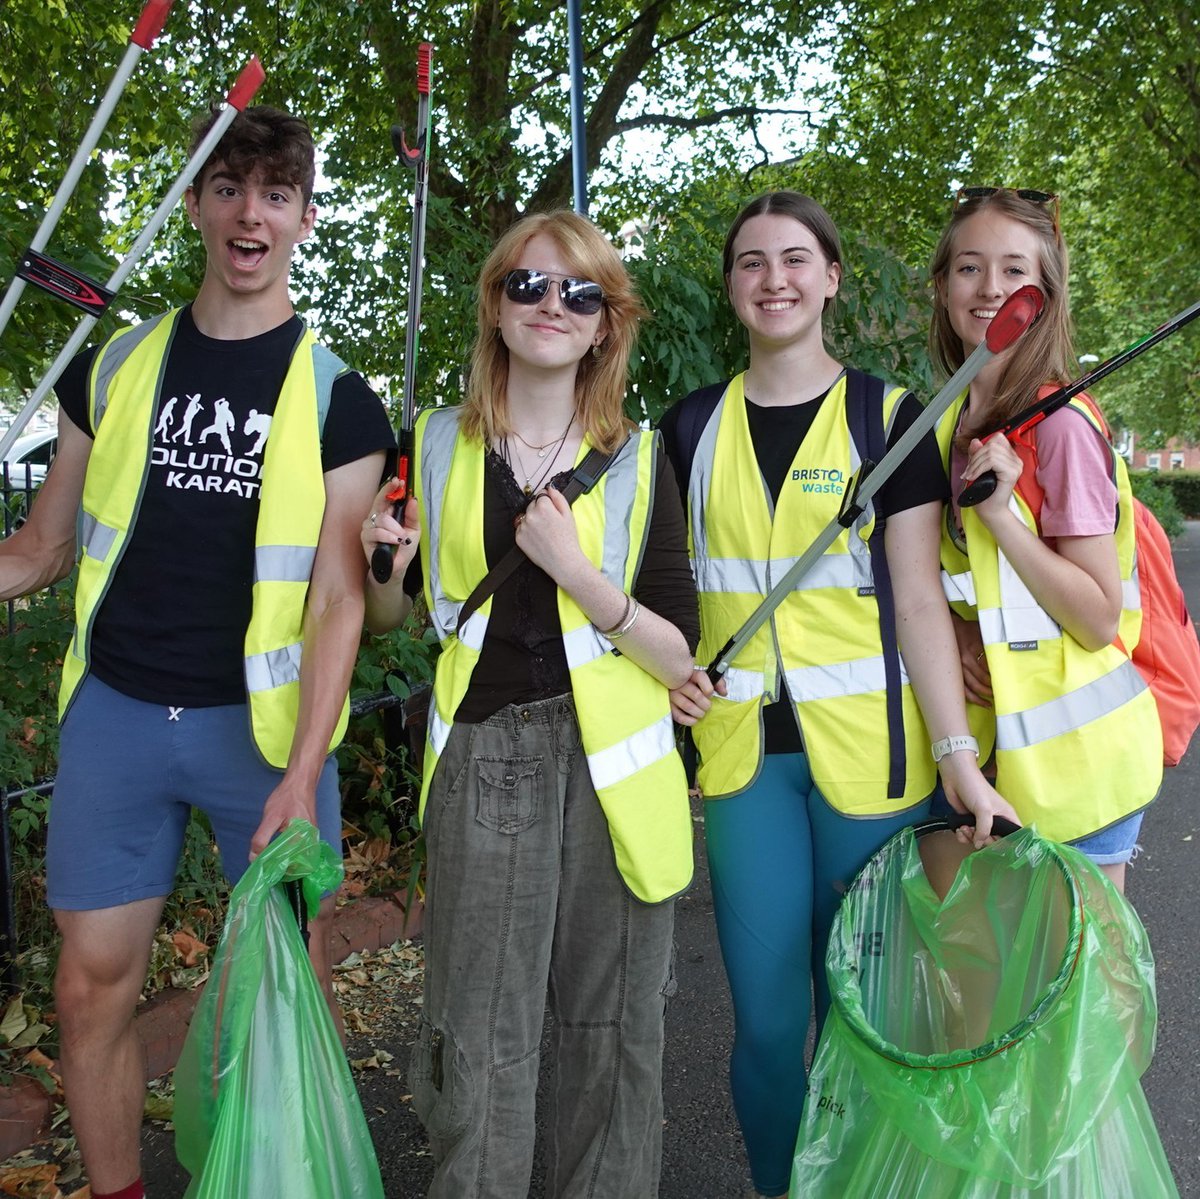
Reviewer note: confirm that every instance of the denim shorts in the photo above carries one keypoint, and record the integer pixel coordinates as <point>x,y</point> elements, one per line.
<point>129,774</point>
<point>1113,845</point>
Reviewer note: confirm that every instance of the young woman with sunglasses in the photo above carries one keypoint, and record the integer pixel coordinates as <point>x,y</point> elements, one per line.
<point>812,750</point>
<point>555,805</point>
<point>1044,596</point>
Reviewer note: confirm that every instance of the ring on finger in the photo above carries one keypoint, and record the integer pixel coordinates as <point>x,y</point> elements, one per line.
<point>374,517</point>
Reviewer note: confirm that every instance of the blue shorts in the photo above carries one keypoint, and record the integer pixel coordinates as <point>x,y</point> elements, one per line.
<point>1113,845</point>
<point>130,772</point>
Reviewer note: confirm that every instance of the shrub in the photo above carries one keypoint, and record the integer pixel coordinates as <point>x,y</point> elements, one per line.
<point>1155,491</point>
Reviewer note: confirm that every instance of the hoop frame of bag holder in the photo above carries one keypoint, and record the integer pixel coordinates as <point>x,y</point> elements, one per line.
<point>987,1041</point>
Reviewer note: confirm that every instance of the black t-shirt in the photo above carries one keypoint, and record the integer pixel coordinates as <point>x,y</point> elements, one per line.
<point>777,433</point>
<point>172,626</point>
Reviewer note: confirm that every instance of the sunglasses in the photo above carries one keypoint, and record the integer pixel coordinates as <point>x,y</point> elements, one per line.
<point>580,296</point>
<point>966,194</point>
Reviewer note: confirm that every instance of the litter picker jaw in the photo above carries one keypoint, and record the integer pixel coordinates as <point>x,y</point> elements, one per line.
<point>1016,315</point>
<point>55,278</point>
<point>979,489</point>
<point>249,80</point>
<point>418,159</point>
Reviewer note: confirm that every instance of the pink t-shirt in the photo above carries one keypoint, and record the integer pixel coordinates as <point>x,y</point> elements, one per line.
<point>1075,471</point>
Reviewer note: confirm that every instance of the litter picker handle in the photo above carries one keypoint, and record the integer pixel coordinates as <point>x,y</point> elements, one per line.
<point>149,26</point>
<point>1001,825</point>
<point>1016,314</point>
<point>979,489</point>
<point>416,157</point>
<point>247,83</point>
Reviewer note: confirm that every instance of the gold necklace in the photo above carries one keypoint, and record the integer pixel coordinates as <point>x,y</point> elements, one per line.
<point>529,486</point>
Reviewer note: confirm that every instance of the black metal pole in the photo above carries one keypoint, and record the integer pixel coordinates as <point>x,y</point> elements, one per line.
<point>578,122</point>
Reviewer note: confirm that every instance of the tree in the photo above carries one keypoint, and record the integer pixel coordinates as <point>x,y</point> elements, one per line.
<point>1098,100</point>
<point>500,143</point>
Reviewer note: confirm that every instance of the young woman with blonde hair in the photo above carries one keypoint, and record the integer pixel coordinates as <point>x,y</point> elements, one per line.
<point>554,806</point>
<point>1042,574</point>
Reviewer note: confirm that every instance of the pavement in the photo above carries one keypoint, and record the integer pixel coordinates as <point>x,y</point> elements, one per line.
<point>702,1154</point>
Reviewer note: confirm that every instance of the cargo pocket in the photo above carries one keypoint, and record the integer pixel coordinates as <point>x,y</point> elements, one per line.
<point>440,1080</point>
<point>510,793</point>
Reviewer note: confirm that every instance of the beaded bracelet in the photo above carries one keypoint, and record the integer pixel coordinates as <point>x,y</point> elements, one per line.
<point>627,625</point>
<point>615,631</point>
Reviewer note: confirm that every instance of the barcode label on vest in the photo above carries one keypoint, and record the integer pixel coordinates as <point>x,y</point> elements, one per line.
<point>1018,646</point>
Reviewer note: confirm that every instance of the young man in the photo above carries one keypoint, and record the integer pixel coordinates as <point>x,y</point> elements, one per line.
<point>224,462</point>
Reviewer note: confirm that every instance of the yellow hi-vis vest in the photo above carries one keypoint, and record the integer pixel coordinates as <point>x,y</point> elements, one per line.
<point>123,389</point>
<point>867,745</point>
<point>1076,731</point>
<point>624,713</point>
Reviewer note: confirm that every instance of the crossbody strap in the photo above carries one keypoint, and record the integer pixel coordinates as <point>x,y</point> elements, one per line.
<point>583,478</point>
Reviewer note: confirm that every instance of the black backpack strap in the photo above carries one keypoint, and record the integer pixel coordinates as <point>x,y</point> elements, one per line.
<point>583,478</point>
<point>694,413</point>
<point>864,415</point>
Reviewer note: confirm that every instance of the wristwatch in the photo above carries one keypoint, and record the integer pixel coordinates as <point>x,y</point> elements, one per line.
<point>948,745</point>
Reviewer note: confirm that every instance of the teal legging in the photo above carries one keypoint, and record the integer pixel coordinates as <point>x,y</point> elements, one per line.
<point>780,859</point>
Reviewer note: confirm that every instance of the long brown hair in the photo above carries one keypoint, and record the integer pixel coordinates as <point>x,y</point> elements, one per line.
<point>1046,352</point>
<point>600,381</point>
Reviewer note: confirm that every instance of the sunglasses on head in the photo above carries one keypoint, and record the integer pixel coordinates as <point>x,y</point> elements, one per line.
<point>966,194</point>
<point>580,296</point>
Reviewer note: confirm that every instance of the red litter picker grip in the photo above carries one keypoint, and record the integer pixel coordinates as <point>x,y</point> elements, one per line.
<point>150,23</point>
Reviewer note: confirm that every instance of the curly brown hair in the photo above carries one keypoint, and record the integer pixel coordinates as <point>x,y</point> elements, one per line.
<point>261,139</point>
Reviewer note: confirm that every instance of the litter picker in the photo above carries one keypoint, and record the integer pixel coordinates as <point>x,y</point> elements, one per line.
<point>416,157</point>
<point>1016,314</point>
<point>246,84</point>
<point>34,266</point>
<point>979,489</point>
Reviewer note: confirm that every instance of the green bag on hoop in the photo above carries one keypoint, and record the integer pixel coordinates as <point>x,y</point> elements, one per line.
<point>987,1045</point>
<point>264,1100</point>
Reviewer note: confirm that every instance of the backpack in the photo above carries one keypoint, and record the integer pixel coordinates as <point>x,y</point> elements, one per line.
<point>1167,654</point>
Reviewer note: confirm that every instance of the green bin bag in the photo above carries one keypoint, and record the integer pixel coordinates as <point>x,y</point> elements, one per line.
<point>265,1103</point>
<point>987,1045</point>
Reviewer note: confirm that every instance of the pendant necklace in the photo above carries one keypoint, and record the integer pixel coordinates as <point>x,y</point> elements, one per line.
<point>513,460</point>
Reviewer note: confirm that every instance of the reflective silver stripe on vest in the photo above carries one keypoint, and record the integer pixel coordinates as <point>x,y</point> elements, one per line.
<point>619,762</point>
<point>439,730</point>
<point>959,588</point>
<point>1077,708</point>
<point>738,575</point>
<point>620,490</point>
<point>998,626</point>
<point>275,668</point>
<point>1131,593</point>
<point>327,366</point>
<point>585,644</point>
<point>742,686</point>
<point>114,356</point>
<point>437,449</point>
<point>474,631</point>
<point>97,538</point>
<point>700,481</point>
<point>860,677</point>
<point>283,563</point>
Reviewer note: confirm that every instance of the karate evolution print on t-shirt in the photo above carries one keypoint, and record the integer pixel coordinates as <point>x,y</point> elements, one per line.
<point>203,447</point>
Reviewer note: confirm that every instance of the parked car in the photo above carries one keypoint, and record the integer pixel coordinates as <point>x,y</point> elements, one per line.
<point>24,469</point>
<point>35,451</point>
